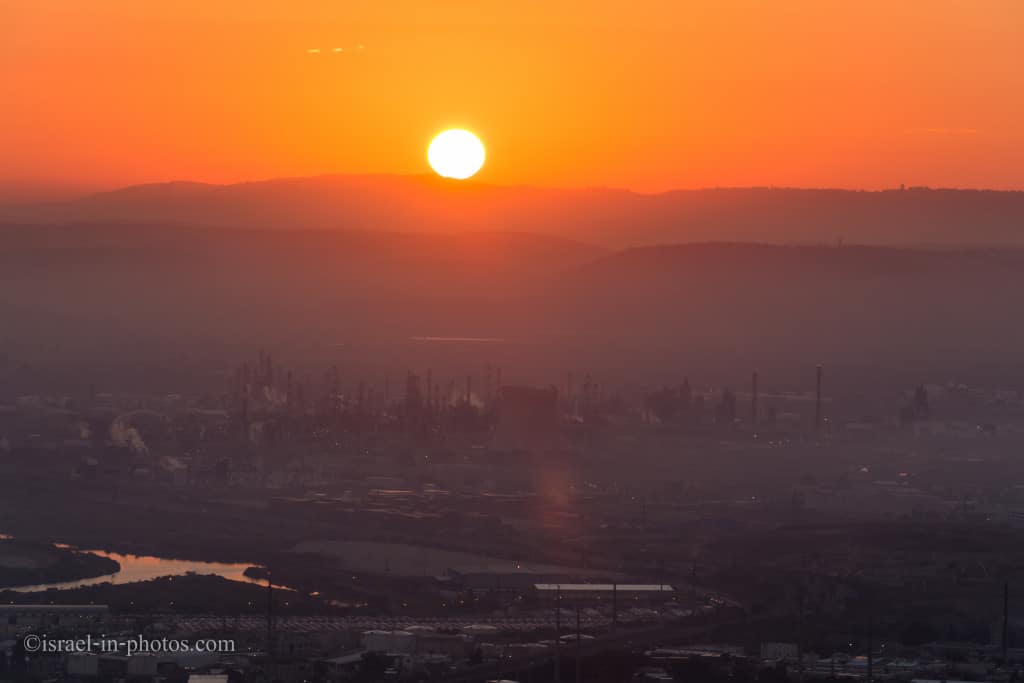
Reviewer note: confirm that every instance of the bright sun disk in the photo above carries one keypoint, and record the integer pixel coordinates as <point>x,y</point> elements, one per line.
<point>456,154</point>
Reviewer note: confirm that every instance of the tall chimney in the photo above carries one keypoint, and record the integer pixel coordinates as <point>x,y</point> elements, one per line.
<point>753,400</point>
<point>817,401</point>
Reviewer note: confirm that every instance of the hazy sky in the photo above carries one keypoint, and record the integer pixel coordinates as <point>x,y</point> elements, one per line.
<point>643,94</point>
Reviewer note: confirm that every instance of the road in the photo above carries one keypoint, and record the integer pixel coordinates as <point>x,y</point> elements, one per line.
<point>638,638</point>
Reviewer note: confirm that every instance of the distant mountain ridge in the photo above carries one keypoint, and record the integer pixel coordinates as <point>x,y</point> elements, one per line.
<point>607,217</point>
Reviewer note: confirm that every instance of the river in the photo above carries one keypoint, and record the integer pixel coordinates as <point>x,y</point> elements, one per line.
<point>135,568</point>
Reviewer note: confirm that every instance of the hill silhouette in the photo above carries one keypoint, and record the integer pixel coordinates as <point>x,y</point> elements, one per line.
<point>552,299</point>
<point>871,303</point>
<point>611,218</point>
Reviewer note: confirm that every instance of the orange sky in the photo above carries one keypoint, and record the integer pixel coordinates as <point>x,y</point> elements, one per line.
<point>647,94</point>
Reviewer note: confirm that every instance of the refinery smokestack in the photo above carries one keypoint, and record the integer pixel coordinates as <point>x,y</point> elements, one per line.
<point>753,400</point>
<point>817,401</point>
<point>430,389</point>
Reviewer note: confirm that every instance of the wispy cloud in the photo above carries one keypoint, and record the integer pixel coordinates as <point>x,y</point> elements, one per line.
<point>337,50</point>
<point>945,131</point>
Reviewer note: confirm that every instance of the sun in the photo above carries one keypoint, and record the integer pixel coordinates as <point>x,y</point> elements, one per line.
<point>456,153</point>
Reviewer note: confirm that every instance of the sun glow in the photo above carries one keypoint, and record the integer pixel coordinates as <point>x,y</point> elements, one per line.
<point>456,154</point>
